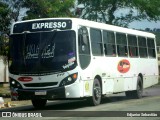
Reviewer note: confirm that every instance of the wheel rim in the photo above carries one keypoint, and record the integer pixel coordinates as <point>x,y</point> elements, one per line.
<point>97,92</point>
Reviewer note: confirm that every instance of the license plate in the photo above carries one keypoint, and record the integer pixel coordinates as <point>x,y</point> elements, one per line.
<point>40,93</point>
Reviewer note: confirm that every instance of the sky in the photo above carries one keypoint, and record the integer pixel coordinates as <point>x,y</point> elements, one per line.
<point>144,24</point>
<point>138,24</point>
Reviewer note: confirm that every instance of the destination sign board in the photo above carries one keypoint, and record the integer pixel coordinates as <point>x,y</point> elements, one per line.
<point>42,25</point>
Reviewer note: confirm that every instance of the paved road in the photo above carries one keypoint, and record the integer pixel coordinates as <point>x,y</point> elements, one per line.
<point>114,107</point>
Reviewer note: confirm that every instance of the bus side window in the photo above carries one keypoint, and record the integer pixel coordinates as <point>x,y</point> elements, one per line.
<point>151,48</point>
<point>121,44</point>
<point>142,47</point>
<point>132,46</point>
<point>96,42</point>
<point>109,43</point>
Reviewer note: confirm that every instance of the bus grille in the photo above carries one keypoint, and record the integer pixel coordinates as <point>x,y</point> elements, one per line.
<point>41,84</point>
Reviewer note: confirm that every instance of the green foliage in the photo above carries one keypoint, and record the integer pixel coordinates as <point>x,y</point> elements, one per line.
<point>106,10</point>
<point>4,48</point>
<point>48,8</point>
<point>4,17</point>
<point>16,8</point>
<point>4,27</point>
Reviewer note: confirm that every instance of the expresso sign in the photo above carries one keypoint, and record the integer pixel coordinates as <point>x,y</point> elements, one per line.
<point>42,25</point>
<point>49,25</point>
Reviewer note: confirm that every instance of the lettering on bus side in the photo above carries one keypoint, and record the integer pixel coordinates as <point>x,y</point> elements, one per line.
<point>123,66</point>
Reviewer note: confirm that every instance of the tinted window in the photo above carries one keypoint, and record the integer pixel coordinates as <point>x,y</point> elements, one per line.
<point>43,52</point>
<point>151,48</point>
<point>84,48</point>
<point>109,43</point>
<point>132,46</point>
<point>121,44</point>
<point>142,47</point>
<point>96,41</point>
<point>83,40</point>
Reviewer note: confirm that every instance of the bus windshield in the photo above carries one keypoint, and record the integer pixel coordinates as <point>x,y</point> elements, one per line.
<point>42,52</point>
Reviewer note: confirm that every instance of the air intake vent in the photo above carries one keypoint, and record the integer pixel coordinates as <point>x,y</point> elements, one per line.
<point>41,84</point>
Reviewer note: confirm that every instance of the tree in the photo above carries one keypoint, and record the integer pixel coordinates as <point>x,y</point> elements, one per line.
<point>4,27</point>
<point>131,10</point>
<point>9,12</point>
<point>16,8</point>
<point>48,8</point>
<point>4,17</point>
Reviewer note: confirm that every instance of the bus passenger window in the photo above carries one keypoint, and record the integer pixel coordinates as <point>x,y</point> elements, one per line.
<point>121,44</point>
<point>151,48</point>
<point>132,46</point>
<point>142,47</point>
<point>109,43</point>
<point>96,42</point>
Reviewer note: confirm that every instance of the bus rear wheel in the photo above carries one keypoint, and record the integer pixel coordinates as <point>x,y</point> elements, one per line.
<point>137,94</point>
<point>39,103</point>
<point>96,93</point>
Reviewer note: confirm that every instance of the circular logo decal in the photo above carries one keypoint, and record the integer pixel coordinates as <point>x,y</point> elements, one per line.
<point>123,66</point>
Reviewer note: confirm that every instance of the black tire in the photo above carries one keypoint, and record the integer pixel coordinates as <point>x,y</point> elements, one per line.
<point>137,94</point>
<point>39,103</point>
<point>97,93</point>
<point>129,94</point>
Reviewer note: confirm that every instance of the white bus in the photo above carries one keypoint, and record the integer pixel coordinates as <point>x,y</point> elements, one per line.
<point>71,58</point>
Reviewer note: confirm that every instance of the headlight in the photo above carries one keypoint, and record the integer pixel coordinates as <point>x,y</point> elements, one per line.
<point>14,83</point>
<point>69,80</point>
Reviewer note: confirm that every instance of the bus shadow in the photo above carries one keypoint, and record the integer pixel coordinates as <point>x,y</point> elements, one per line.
<point>72,105</point>
<point>77,104</point>
<point>84,103</point>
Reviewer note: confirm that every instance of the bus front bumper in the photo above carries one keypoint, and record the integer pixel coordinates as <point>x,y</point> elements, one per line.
<point>29,94</point>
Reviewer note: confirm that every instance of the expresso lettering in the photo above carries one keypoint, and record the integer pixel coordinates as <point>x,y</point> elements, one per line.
<point>51,25</point>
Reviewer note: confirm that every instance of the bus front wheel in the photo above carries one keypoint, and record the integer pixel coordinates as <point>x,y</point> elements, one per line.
<point>39,103</point>
<point>96,93</point>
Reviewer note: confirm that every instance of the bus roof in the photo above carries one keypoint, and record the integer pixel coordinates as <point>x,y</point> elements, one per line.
<point>98,25</point>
